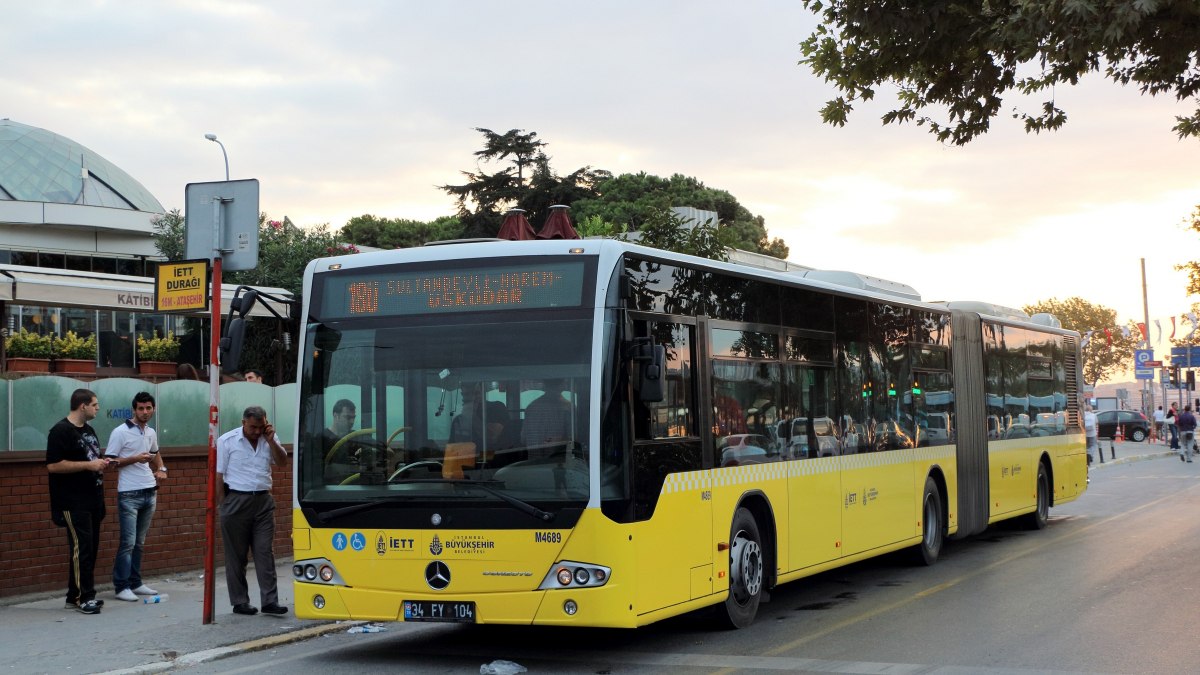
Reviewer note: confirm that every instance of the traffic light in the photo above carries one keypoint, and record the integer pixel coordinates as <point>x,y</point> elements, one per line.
<point>1191,380</point>
<point>1175,375</point>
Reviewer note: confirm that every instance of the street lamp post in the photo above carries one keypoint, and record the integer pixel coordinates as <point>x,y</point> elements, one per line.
<point>213,138</point>
<point>214,430</point>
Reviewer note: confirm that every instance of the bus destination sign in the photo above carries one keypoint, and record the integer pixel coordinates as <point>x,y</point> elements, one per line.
<point>475,289</point>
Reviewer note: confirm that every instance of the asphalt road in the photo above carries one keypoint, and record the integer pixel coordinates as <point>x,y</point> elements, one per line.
<point>1110,586</point>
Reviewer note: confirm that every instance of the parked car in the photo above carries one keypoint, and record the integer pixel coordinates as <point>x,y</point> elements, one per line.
<point>1136,425</point>
<point>739,449</point>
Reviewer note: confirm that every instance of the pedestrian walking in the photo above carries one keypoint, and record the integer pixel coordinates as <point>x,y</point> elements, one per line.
<point>1172,427</point>
<point>1186,422</point>
<point>134,446</point>
<point>1160,419</point>
<point>76,467</point>
<point>244,459</point>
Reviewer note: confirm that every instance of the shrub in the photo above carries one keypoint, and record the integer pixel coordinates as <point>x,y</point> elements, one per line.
<point>29,345</point>
<point>158,348</point>
<point>71,346</point>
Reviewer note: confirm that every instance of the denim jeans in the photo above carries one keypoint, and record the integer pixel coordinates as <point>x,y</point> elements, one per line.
<point>134,511</point>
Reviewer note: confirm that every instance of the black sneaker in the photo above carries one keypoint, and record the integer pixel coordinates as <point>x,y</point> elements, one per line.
<point>89,607</point>
<point>277,610</point>
<point>245,608</point>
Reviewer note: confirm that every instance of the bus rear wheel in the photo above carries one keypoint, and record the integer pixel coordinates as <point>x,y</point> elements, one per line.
<point>933,530</point>
<point>1037,519</point>
<point>745,571</point>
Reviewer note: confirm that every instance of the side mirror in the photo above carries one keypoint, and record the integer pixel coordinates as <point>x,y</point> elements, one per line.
<point>651,358</point>
<point>231,346</point>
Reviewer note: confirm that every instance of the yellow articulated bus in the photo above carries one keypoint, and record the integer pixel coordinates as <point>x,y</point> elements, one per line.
<point>595,433</point>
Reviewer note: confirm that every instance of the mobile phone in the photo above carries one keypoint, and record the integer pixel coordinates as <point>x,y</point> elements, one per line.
<point>112,462</point>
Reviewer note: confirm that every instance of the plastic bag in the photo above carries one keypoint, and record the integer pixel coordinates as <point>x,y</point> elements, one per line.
<point>501,667</point>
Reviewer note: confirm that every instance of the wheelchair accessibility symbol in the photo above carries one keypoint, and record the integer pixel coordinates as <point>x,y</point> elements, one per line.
<point>357,541</point>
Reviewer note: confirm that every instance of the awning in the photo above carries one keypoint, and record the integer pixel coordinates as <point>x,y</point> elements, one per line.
<point>66,288</point>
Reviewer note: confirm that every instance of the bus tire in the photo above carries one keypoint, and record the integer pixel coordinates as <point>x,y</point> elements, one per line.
<point>746,573</point>
<point>933,529</point>
<point>1041,513</point>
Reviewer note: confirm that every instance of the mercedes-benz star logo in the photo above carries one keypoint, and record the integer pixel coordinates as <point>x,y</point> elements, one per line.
<point>437,575</point>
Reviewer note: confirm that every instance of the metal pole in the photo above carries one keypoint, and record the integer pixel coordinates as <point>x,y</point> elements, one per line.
<point>214,426</point>
<point>1146,388</point>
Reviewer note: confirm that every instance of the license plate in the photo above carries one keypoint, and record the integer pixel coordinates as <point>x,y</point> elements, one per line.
<point>432,610</point>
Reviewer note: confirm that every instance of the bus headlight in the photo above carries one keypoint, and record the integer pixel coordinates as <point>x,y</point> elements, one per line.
<point>570,574</point>
<point>570,607</point>
<point>317,571</point>
<point>319,601</point>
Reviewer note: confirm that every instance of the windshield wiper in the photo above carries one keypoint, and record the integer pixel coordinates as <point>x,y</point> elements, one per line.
<point>365,506</point>
<point>486,486</point>
<point>521,506</point>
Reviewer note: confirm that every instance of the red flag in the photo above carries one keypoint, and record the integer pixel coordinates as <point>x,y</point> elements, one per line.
<point>1145,335</point>
<point>1108,334</point>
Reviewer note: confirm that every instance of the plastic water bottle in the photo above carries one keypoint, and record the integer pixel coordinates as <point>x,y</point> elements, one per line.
<point>154,599</point>
<point>369,628</point>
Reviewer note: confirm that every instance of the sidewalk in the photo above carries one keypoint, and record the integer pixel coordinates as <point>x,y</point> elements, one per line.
<point>40,636</point>
<point>1128,451</point>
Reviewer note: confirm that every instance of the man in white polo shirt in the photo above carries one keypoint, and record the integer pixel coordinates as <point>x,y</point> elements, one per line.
<point>134,446</point>
<point>244,459</point>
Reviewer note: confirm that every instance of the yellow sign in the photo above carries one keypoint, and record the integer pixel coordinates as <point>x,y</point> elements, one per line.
<point>181,286</point>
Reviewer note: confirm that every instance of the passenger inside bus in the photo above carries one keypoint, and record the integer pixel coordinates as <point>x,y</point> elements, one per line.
<point>487,426</point>
<point>548,418</point>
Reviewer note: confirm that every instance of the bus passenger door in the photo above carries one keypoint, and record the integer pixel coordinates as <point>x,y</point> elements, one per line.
<point>672,494</point>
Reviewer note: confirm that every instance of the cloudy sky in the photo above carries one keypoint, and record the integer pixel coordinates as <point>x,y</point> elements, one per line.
<point>354,107</point>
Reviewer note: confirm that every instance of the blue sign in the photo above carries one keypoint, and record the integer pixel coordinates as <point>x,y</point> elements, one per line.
<point>1187,357</point>
<point>339,541</point>
<point>1140,358</point>
<point>357,541</point>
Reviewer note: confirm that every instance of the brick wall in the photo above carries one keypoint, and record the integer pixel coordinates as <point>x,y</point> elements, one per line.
<point>33,552</point>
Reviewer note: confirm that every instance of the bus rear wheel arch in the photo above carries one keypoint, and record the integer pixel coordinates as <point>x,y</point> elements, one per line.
<point>1041,511</point>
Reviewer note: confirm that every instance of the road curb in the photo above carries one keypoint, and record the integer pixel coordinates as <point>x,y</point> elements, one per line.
<point>216,653</point>
<point>1134,458</point>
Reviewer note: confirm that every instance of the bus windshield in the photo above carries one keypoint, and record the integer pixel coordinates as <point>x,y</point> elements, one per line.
<point>414,407</point>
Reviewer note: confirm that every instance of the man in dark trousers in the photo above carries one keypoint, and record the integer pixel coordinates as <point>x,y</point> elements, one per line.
<point>76,464</point>
<point>1187,432</point>
<point>244,459</point>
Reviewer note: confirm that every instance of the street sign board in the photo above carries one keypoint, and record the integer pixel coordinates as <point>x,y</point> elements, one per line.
<point>1153,364</point>
<point>222,217</point>
<point>181,286</point>
<point>1143,373</point>
<point>1186,356</point>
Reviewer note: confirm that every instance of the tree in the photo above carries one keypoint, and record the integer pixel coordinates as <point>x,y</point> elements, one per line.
<point>632,199</point>
<point>965,55</point>
<point>663,229</point>
<point>369,230</point>
<point>1100,357</point>
<point>170,234</point>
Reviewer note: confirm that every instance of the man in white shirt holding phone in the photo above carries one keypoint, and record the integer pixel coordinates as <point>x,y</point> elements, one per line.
<point>134,446</point>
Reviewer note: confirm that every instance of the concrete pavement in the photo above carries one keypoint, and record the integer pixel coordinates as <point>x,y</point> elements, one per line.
<point>40,636</point>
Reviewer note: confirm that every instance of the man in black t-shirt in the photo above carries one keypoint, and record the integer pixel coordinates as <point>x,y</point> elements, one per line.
<point>75,461</point>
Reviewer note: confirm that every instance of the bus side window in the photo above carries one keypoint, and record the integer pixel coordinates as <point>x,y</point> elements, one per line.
<point>674,416</point>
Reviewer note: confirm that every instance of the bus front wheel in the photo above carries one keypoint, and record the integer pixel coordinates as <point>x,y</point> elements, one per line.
<point>933,530</point>
<point>745,571</point>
